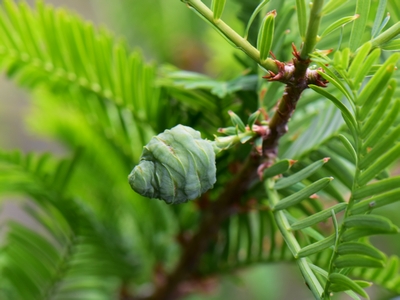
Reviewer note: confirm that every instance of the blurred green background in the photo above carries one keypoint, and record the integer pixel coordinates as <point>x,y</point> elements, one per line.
<point>167,33</point>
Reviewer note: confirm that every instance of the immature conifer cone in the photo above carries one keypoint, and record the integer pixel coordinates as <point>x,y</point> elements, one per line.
<point>176,166</point>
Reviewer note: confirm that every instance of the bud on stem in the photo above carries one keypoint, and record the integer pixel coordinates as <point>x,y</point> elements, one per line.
<point>266,35</point>
<point>176,166</point>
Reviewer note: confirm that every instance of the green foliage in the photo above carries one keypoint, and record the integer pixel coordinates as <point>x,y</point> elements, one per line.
<point>96,239</point>
<point>52,265</point>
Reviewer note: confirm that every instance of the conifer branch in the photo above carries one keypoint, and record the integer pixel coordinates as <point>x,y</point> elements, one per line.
<point>296,76</point>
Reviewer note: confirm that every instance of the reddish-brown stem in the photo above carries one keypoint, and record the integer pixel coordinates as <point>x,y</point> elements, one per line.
<point>297,77</point>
